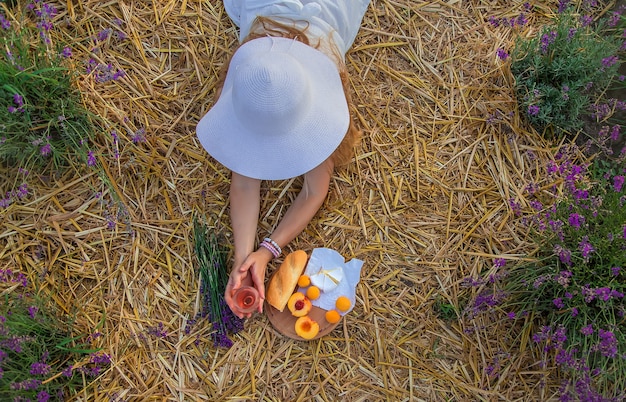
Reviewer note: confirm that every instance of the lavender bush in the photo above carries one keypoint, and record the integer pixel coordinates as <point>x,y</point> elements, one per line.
<point>39,360</point>
<point>571,297</point>
<point>561,73</point>
<point>41,113</point>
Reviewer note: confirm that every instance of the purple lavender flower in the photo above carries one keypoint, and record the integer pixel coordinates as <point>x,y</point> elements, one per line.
<point>565,255</point>
<point>608,343</point>
<point>471,282</point>
<point>103,35</point>
<point>574,312</point>
<point>515,206</point>
<point>45,150</point>
<point>66,52</point>
<point>563,279</point>
<point>502,54</point>
<point>588,294</point>
<point>43,396</point>
<point>91,159</point>
<point>4,23</point>
<point>494,21</point>
<point>562,6</point>
<point>608,62</point>
<point>558,303</point>
<point>39,368</point>
<point>585,247</point>
<point>6,201</point>
<point>586,20</point>
<point>618,182</point>
<point>18,101</point>
<point>158,331</point>
<point>546,40</point>
<point>139,136</point>
<point>32,310</point>
<point>614,20</point>
<point>576,220</point>
<point>26,385</point>
<point>565,358</point>
<point>540,280</point>
<point>553,338</point>
<point>615,131</point>
<point>8,276</point>
<point>499,262</point>
<point>100,358</point>
<point>67,372</point>
<point>615,271</point>
<point>22,191</point>
<point>571,33</point>
<point>533,110</point>
<point>603,293</point>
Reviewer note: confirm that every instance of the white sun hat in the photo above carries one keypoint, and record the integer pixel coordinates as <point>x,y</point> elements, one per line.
<point>282,111</point>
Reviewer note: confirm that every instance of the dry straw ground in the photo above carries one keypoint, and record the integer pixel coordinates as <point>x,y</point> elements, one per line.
<point>424,205</point>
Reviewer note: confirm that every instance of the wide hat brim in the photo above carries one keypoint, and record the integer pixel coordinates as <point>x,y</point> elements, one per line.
<point>246,147</point>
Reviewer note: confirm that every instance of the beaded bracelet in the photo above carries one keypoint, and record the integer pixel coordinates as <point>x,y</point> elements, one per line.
<point>273,243</point>
<point>269,247</point>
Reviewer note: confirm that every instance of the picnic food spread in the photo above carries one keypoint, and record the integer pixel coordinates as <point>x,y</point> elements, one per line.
<point>316,297</point>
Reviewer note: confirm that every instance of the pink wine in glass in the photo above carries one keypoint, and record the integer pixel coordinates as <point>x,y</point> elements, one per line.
<point>247,299</point>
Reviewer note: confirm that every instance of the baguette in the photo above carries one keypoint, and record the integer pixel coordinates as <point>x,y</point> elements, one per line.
<point>284,281</point>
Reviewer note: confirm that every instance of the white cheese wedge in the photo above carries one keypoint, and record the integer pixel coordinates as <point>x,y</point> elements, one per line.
<point>327,279</point>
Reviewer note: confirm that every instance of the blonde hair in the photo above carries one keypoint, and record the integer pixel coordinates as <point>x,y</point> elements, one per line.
<point>263,27</point>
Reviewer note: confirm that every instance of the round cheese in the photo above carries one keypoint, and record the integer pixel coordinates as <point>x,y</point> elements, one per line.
<point>327,279</point>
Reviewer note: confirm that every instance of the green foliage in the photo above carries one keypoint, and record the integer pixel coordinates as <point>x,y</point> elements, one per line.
<point>41,112</point>
<point>445,310</point>
<point>562,71</point>
<point>39,358</point>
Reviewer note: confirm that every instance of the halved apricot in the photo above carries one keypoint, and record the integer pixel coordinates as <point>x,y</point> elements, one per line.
<point>306,327</point>
<point>299,305</point>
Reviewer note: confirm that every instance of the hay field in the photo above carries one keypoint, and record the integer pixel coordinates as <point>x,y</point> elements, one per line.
<point>424,205</point>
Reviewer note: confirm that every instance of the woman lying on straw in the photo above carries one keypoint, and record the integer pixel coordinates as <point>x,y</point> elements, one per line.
<point>282,112</point>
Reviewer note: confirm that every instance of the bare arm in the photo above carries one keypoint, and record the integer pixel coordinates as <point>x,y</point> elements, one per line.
<point>250,266</point>
<point>244,215</point>
<point>245,201</point>
<point>307,203</point>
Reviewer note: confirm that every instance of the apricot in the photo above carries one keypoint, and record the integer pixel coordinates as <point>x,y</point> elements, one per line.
<point>313,292</point>
<point>299,305</point>
<point>306,327</point>
<point>332,316</point>
<point>343,303</point>
<point>304,281</point>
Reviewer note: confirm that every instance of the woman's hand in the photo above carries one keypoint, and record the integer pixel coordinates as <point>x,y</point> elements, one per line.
<point>250,273</point>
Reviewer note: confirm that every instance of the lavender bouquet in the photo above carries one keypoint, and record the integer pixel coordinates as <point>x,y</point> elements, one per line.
<point>213,278</point>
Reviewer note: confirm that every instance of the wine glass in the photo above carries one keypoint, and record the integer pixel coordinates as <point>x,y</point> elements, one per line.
<point>247,299</point>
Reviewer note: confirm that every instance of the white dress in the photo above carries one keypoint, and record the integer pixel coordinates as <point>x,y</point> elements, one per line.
<point>336,20</point>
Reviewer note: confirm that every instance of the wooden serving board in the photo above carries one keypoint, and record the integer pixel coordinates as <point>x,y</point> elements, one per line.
<point>285,322</point>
